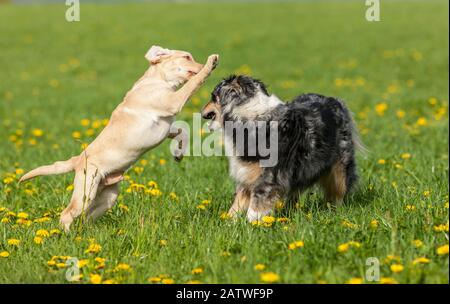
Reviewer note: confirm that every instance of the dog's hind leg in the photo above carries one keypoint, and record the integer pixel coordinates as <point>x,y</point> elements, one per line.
<point>104,201</point>
<point>86,185</point>
<point>241,201</point>
<point>334,184</point>
<point>262,201</point>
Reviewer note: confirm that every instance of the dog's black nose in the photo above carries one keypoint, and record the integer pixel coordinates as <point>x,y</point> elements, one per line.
<point>209,115</point>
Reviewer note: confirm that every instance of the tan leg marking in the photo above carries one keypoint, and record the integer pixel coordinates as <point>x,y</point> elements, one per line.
<point>334,184</point>
<point>241,202</point>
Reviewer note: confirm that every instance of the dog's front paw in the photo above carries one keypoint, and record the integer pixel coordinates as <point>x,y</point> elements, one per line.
<point>213,61</point>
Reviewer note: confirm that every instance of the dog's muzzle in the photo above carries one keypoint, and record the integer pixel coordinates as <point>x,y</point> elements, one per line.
<point>208,112</point>
<point>209,115</point>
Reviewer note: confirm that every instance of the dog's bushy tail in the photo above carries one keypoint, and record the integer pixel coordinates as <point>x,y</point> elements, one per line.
<point>58,167</point>
<point>357,142</point>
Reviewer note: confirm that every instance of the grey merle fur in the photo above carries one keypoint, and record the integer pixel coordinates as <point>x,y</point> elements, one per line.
<point>314,132</point>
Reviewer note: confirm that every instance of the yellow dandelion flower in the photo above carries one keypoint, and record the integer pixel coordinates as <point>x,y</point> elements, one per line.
<point>13,242</point>
<point>388,281</point>
<point>400,114</point>
<point>82,263</point>
<point>421,260</point>
<point>197,270</point>
<point>89,132</point>
<point>422,121</point>
<point>295,245</point>
<point>201,207</point>
<point>406,156</point>
<point>85,122</point>
<point>269,277</point>
<point>37,132</point>
<point>95,278</point>
<point>55,232</point>
<point>348,224</point>
<point>100,260</point>
<point>173,196</point>
<point>4,254</point>
<point>42,233</point>
<point>22,215</point>
<point>162,242</point>
<point>282,219</point>
<point>193,282</point>
<point>123,207</point>
<point>123,267</point>
<point>396,268</point>
<point>260,267</point>
<point>373,224</point>
<point>8,180</point>
<point>38,240</point>
<point>51,263</point>
<point>355,281</point>
<point>224,216</point>
<point>162,162</point>
<point>268,219</point>
<point>19,171</point>
<point>93,248</point>
<point>410,207</point>
<point>381,161</point>
<point>24,222</point>
<point>443,250</point>
<point>432,101</point>
<point>96,124</point>
<point>343,247</point>
<point>417,243</point>
<point>225,254</point>
<point>152,184</point>
<point>154,279</point>
<point>76,135</point>
<point>138,170</point>
<point>61,265</point>
<point>205,202</point>
<point>441,228</point>
<point>167,281</point>
<point>381,108</point>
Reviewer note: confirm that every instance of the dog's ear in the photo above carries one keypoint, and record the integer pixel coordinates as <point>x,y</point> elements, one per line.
<point>155,53</point>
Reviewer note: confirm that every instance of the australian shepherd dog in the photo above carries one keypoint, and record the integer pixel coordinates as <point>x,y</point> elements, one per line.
<point>316,141</point>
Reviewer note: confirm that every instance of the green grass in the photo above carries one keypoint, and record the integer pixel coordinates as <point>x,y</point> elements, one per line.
<point>54,74</point>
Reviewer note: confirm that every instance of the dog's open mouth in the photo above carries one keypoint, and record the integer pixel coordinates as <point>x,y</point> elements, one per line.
<point>212,116</point>
<point>209,115</point>
<point>211,111</point>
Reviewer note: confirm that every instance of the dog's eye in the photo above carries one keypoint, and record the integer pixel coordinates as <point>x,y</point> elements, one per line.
<point>187,57</point>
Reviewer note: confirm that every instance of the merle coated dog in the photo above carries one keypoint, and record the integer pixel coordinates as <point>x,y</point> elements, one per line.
<point>316,144</point>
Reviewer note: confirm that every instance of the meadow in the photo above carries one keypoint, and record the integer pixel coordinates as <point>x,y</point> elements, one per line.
<point>60,81</point>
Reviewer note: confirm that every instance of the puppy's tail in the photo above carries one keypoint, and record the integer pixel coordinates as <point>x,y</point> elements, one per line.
<point>58,167</point>
<point>357,142</point>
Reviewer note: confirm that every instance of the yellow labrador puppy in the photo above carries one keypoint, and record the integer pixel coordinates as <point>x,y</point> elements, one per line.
<point>141,122</point>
